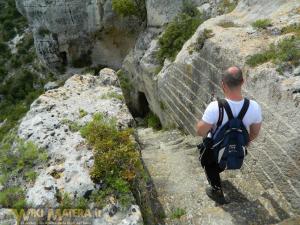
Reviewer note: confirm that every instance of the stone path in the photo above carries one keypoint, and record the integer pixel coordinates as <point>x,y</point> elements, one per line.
<point>179,182</point>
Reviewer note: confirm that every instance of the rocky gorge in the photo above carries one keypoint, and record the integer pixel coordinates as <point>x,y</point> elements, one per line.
<point>174,86</point>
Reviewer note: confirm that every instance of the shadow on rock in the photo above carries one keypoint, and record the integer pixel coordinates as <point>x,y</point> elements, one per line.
<point>244,211</point>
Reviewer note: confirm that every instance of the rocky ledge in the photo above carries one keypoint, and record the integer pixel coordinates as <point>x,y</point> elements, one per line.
<point>52,123</point>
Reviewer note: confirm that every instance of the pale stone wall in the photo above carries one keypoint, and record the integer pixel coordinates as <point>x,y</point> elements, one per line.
<point>181,91</point>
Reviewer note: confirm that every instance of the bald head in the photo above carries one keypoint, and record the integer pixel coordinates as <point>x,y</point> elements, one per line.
<point>233,77</point>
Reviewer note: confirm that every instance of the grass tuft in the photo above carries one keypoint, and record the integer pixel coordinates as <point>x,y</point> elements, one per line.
<point>293,28</point>
<point>227,24</point>
<point>177,213</point>
<point>112,95</point>
<point>262,23</point>
<point>287,50</point>
<point>153,121</point>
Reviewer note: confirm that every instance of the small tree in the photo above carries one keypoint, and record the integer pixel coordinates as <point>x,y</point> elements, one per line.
<point>130,8</point>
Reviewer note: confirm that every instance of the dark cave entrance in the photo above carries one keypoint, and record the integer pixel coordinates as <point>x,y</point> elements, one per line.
<point>64,59</point>
<point>143,105</point>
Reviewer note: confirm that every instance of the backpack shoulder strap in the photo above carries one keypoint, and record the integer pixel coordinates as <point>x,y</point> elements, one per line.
<point>227,109</point>
<point>221,113</point>
<point>244,109</point>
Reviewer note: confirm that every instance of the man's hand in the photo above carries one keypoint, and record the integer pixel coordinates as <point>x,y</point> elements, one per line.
<point>203,128</point>
<point>254,131</point>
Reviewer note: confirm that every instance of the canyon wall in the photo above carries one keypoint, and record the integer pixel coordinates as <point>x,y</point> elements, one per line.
<point>180,92</point>
<point>79,33</point>
<point>68,31</point>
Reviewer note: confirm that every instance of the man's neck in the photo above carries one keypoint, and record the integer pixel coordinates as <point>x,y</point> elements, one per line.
<point>234,96</point>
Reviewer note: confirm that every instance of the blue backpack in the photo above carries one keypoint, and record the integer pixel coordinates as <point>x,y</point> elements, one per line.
<point>229,145</point>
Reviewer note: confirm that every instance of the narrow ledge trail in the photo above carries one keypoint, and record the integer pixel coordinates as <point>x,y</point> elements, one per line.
<point>179,183</point>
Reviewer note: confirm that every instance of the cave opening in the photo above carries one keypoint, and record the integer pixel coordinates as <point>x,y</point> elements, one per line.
<point>64,59</point>
<point>143,105</point>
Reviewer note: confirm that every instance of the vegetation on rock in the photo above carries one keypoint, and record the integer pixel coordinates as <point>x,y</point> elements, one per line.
<point>17,162</point>
<point>82,113</point>
<point>206,34</point>
<point>20,72</point>
<point>286,50</point>
<point>117,162</point>
<point>262,23</point>
<point>226,24</point>
<point>292,28</point>
<point>125,83</point>
<point>112,95</point>
<point>177,213</point>
<point>130,8</point>
<point>11,21</point>
<point>73,126</point>
<point>153,121</point>
<point>227,6</point>
<point>65,202</point>
<point>178,32</point>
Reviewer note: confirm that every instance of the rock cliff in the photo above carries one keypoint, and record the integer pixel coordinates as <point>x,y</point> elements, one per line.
<point>68,33</point>
<point>53,122</point>
<point>182,89</point>
<point>79,33</point>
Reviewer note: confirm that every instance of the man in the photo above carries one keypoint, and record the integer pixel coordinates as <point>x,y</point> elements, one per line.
<point>232,81</point>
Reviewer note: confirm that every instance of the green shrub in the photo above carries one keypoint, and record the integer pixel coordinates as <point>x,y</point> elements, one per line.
<point>17,159</point>
<point>286,51</point>
<point>66,202</point>
<point>94,70</point>
<point>262,23</point>
<point>20,159</point>
<point>3,73</point>
<point>293,28</point>
<point>4,50</point>
<point>227,24</point>
<point>227,6</point>
<point>206,34</point>
<point>125,83</point>
<point>177,33</point>
<point>177,213</point>
<point>13,197</point>
<point>117,162</point>
<point>16,88</point>
<point>30,176</point>
<point>11,21</point>
<point>82,113</point>
<point>162,105</point>
<point>42,31</point>
<point>25,44</point>
<point>153,121</point>
<point>73,126</point>
<point>130,8</point>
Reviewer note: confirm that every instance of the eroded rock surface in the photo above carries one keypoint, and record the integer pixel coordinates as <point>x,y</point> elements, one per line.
<point>51,124</point>
<point>86,32</point>
<point>180,92</point>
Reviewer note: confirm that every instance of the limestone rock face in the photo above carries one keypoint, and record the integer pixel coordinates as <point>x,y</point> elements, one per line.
<point>180,92</point>
<point>50,124</point>
<point>68,31</point>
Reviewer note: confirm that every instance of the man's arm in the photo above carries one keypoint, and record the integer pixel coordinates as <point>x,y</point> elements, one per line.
<point>254,131</point>
<point>203,128</point>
